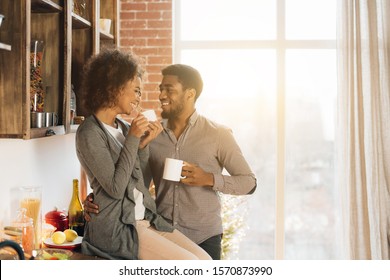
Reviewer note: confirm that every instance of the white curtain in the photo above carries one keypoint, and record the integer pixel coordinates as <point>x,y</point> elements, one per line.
<point>364,126</point>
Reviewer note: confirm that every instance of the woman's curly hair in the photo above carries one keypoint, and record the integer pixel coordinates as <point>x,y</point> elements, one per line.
<point>105,74</point>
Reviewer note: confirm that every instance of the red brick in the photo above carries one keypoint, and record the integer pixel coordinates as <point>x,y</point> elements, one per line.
<point>154,78</point>
<point>164,33</point>
<point>159,24</point>
<point>126,33</point>
<point>146,104</point>
<point>159,42</point>
<point>153,69</point>
<point>133,7</point>
<point>127,15</point>
<point>145,33</point>
<point>146,51</point>
<point>148,15</point>
<point>146,30</point>
<point>152,87</point>
<point>160,6</point>
<point>131,24</point>
<point>133,42</point>
<point>164,51</point>
<point>163,60</point>
<point>166,15</point>
<point>153,95</point>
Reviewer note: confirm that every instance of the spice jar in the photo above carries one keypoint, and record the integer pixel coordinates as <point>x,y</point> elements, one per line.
<point>25,225</point>
<point>59,219</point>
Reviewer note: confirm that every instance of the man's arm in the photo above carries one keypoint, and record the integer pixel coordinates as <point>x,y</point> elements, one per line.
<point>241,179</point>
<point>89,207</point>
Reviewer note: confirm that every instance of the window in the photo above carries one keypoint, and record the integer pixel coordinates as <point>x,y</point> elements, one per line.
<point>269,70</point>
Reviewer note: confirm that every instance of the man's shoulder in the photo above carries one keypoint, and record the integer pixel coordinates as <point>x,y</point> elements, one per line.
<point>207,122</point>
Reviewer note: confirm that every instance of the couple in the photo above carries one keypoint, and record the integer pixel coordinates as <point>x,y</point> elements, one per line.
<point>116,159</point>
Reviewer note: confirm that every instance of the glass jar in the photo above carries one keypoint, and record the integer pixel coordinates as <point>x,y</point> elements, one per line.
<point>25,225</point>
<point>37,92</point>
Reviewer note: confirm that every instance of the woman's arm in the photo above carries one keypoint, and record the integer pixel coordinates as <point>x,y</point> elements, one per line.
<point>96,156</point>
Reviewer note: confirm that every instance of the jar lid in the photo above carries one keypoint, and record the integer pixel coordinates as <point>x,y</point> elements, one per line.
<point>56,215</point>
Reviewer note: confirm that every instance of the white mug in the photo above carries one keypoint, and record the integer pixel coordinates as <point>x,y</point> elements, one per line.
<point>105,24</point>
<point>172,169</point>
<point>150,115</point>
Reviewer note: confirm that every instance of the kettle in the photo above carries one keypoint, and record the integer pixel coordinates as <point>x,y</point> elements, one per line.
<point>13,245</point>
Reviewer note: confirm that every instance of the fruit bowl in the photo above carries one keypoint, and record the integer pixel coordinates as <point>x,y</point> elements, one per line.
<point>52,254</point>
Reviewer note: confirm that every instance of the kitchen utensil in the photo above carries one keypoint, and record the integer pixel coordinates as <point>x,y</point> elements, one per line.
<point>13,245</point>
<point>172,169</point>
<point>59,219</point>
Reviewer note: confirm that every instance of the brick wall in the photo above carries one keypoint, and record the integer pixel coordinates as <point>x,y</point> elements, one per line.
<point>146,30</point>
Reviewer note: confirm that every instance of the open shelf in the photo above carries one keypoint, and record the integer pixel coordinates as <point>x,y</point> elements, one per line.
<point>5,47</point>
<point>45,6</point>
<point>70,37</point>
<point>79,22</point>
<point>106,36</point>
<point>42,132</point>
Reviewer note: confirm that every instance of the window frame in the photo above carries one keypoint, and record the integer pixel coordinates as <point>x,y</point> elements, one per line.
<point>281,45</point>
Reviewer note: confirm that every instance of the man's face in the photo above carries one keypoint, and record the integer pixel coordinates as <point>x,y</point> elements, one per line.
<point>171,97</point>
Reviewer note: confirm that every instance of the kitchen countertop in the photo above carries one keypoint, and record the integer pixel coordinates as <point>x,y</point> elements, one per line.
<point>80,256</point>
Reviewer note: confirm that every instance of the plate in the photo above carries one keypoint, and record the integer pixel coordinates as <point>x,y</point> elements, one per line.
<point>66,245</point>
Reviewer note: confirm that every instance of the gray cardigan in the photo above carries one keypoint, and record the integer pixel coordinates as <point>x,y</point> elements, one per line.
<point>113,173</point>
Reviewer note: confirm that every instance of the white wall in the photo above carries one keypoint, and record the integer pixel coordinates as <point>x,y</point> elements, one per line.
<point>50,162</point>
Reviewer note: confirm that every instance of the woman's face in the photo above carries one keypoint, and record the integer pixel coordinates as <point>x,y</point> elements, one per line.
<point>129,97</point>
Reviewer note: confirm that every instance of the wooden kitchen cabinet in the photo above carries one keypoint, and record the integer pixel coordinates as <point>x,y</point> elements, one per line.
<point>70,37</point>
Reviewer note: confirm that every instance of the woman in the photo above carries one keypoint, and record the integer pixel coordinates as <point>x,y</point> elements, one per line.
<point>114,156</point>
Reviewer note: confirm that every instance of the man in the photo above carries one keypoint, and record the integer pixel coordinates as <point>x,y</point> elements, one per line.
<point>193,205</point>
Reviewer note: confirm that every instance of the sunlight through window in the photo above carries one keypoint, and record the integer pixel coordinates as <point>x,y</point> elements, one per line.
<point>254,56</point>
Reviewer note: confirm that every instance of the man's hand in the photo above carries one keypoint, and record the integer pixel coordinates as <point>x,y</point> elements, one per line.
<point>196,176</point>
<point>89,207</point>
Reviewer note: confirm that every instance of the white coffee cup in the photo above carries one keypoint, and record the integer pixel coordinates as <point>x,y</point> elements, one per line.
<point>105,24</point>
<point>150,115</point>
<point>172,169</point>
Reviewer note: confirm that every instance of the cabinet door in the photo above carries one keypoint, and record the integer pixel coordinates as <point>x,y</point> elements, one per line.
<point>29,21</point>
<point>71,34</point>
<point>13,70</point>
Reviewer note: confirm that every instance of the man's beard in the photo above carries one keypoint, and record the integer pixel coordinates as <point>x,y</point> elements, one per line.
<point>174,112</point>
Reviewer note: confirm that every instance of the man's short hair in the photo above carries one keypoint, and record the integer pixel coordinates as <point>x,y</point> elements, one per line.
<point>188,76</point>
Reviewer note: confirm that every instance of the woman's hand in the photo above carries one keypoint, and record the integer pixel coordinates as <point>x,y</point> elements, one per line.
<point>139,126</point>
<point>154,129</point>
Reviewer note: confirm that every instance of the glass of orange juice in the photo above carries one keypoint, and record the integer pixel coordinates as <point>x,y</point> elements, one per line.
<point>31,199</point>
